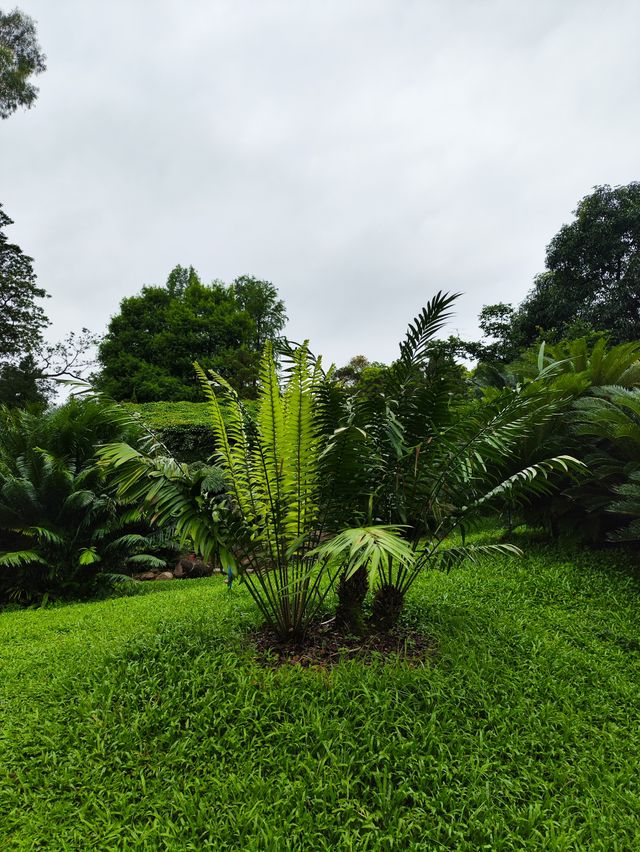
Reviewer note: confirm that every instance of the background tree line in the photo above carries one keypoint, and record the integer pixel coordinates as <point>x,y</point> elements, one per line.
<point>148,351</point>
<point>590,288</point>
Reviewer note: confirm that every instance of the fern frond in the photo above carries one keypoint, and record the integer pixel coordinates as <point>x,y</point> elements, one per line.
<point>231,440</point>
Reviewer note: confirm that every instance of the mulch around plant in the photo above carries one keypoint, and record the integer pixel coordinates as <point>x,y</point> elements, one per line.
<point>325,646</point>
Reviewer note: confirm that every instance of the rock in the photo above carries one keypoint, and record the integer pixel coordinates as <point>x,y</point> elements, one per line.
<point>190,566</point>
<point>201,569</point>
<point>148,575</point>
<point>165,575</point>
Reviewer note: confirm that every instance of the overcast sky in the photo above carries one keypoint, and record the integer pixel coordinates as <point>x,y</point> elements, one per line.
<point>360,155</point>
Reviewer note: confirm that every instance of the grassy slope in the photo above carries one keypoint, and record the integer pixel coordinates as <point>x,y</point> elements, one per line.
<point>162,414</point>
<point>142,723</point>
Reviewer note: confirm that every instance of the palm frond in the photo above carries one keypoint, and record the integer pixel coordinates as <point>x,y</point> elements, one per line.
<point>431,319</point>
<point>367,546</point>
<point>532,480</point>
<point>451,557</point>
<point>20,558</point>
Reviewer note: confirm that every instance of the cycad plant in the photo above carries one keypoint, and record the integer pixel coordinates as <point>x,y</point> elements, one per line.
<point>276,514</point>
<point>438,463</point>
<point>582,364</point>
<point>61,530</point>
<point>324,487</point>
<point>610,421</point>
<point>570,374</point>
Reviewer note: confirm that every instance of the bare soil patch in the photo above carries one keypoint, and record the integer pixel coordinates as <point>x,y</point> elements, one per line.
<point>324,646</point>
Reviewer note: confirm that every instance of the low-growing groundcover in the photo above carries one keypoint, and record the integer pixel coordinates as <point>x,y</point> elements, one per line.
<point>147,723</point>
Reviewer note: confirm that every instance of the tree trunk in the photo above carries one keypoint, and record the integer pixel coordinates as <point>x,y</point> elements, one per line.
<point>388,603</point>
<point>351,595</point>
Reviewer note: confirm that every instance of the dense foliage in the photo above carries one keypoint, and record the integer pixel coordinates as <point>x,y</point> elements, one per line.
<point>612,417</point>
<point>62,530</point>
<point>571,375</point>
<point>591,283</point>
<point>184,428</point>
<point>592,280</point>
<point>151,344</point>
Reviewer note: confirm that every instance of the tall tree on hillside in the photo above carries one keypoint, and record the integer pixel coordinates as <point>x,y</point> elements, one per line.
<point>260,300</point>
<point>28,365</point>
<point>592,279</point>
<point>151,344</point>
<point>21,318</point>
<point>20,58</point>
<point>22,321</point>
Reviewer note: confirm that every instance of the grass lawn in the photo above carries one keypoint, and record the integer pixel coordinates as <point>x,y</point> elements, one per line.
<point>144,723</point>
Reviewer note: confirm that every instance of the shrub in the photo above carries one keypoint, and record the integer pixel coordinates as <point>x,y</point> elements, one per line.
<point>62,531</point>
<point>183,427</point>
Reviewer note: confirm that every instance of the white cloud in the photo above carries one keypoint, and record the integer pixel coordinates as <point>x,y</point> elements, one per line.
<point>361,155</point>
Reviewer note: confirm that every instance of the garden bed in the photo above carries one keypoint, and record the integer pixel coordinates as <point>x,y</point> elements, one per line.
<point>325,646</point>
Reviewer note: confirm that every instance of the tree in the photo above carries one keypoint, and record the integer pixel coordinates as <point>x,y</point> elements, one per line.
<point>20,58</point>
<point>352,372</point>
<point>21,384</point>
<point>495,322</point>
<point>179,279</point>
<point>592,279</point>
<point>260,300</point>
<point>151,344</point>
<point>28,365</point>
<point>22,320</point>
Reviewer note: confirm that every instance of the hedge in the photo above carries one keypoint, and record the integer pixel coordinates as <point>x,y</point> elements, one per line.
<point>183,427</point>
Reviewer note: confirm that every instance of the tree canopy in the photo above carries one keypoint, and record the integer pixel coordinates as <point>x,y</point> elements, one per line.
<point>590,287</point>
<point>21,318</point>
<point>20,58</point>
<point>22,321</point>
<point>592,279</point>
<point>151,344</point>
<point>260,300</point>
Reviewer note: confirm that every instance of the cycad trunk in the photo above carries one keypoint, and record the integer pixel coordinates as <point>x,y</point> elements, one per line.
<point>388,604</point>
<point>351,594</point>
